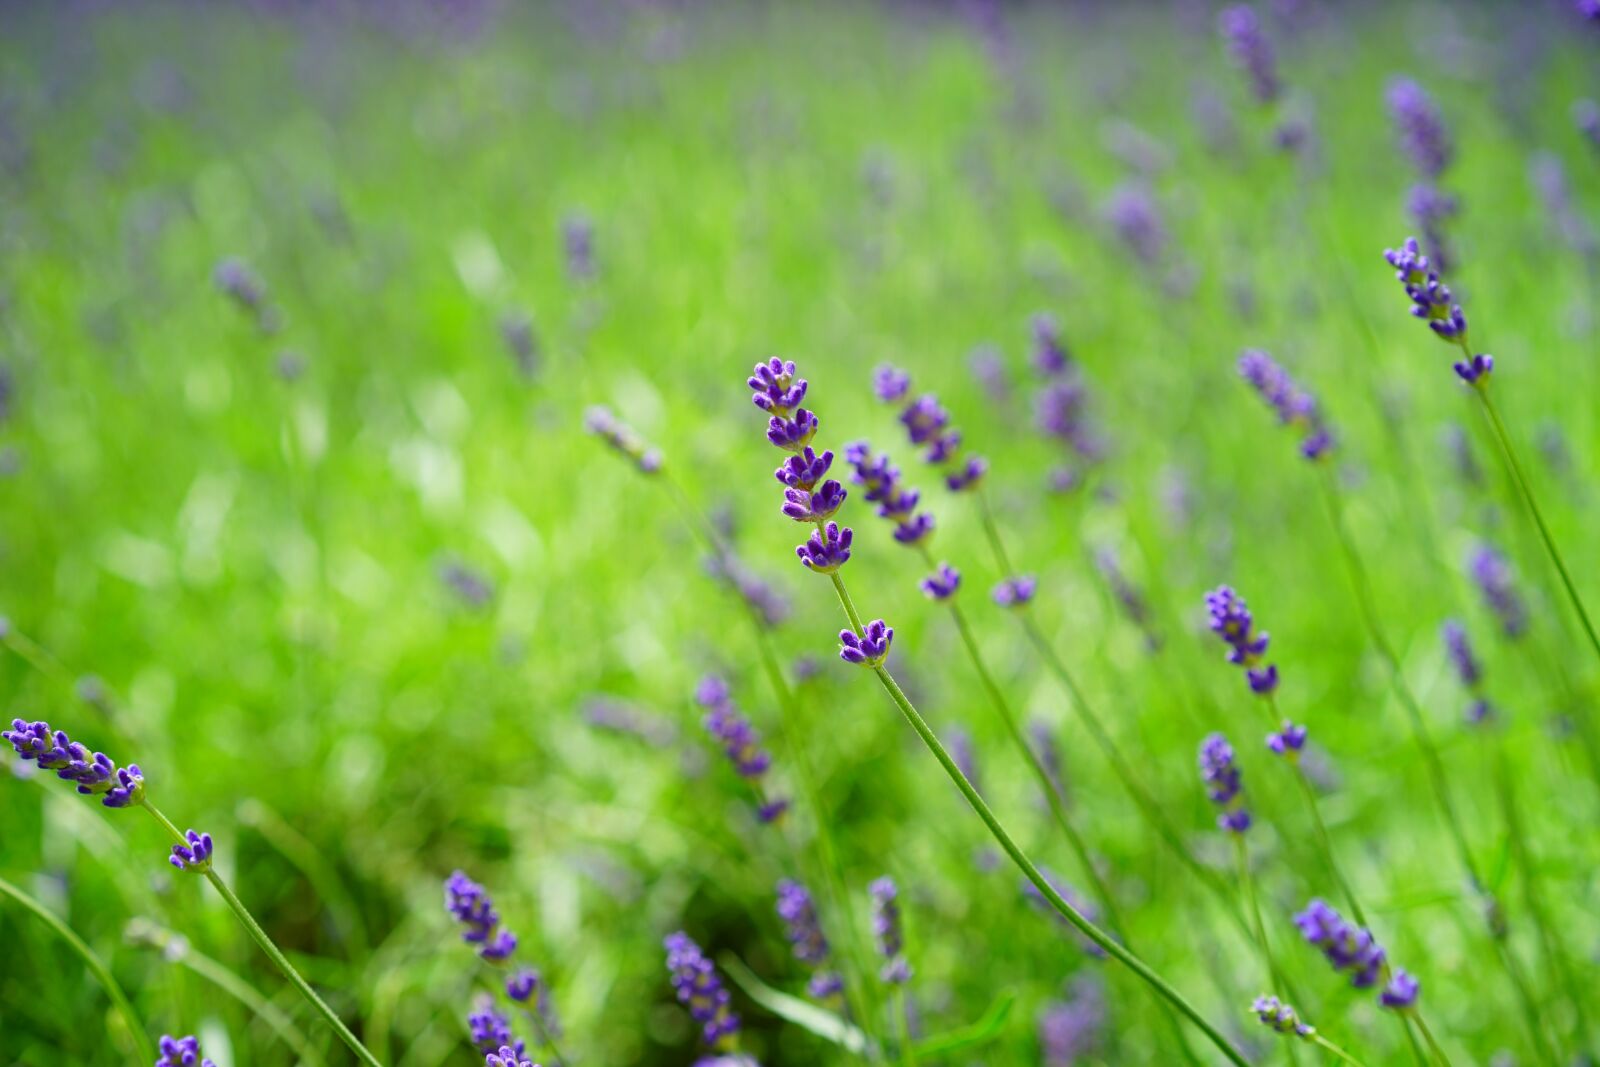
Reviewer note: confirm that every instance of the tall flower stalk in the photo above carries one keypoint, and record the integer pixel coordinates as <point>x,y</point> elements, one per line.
<point>779,391</point>
<point>98,775</point>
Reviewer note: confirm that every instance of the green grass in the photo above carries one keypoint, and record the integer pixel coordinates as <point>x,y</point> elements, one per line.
<point>250,565</point>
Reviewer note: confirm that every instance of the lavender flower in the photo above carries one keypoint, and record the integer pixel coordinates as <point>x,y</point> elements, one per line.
<point>868,649</point>
<point>881,485</point>
<point>886,929</point>
<point>181,1052</point>
<point>890,384</point>
<point>489,1031</point>
<point>194,856</point>
<point>1492,575</point>
<point>942,583</point>
<point>1468,670</point>
<point>1401,992</point>
<point>1050,356</point>
<point>826,550</point>
<point>1420,127</point>
<point>1134,216</point>
<point>1073,1029</point>
<point>1016,592</point>
<point>769,605</point>
<point>1294,406</point>
<point>1431,301</point>
<point>989,370</point>
<point>1131,600</point>
<point>1549,180</point>
<point>1289,741</point>
<point>1230,619</point>
<point>95,775</point>
<point>1349,948</point>
<point>1278,1016</point>
<point>470,905</point>
<point>777,388</point>
<point>599,421</point>
<point>927,426</point>
<point>507,1056</point>
<point>1250,51</point>
<point>700,989</point>
<point>1224,783</point>
<point>528,984</point>
<point>803,930</point>
<point>1589,9</point>
<point>236,280</point>
<point>739,739</point>
<point>577,241</point>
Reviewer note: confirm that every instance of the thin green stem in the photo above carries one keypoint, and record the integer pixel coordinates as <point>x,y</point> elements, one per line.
<point>902,1011</point>
<point>1248,884</point>
<point>1433,1046</point>
<point>1508,453</point>
<point>136,1031</point>
<point>274,953</point>
<point>1334,1050</point>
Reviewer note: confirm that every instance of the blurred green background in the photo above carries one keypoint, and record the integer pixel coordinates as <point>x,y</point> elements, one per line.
<point>347,588</point>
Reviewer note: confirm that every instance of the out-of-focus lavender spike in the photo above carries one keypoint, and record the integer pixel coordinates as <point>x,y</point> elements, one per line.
<point>577,244</point>
<point>989,370</point>
<point>1280,1017</point>
<point>1128,597</point>
<point>1431,208</point>
<point>1586,116</point>
<point>489,1031</point>
<point>1420,127</point>
<point>887,931</point>
<point>1133,215</point>
<point>1224,783</point>
<point>471,587</point>
<point>1250,51</point>
<point>1459,445</point>
<point>599,421</point>
<point>470,905</point>
<point>1294,406</point>
<point>1491,573</point>
<point>803,930</point>
<point>1349,948</point>
<point>1072,1030</point>
<point>1230,619</point>
<point>516,331</point>
<point>1549,180</point>
<point>764,599</point>
<point>699,988</point>
<point>1468,671</point>
<point>1043,736</point>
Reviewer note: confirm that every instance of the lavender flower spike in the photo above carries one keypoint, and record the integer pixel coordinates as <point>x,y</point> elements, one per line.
<point>942,583</point>
<point>469,904</point>
<point>1250,50</point>
<point>95,775</point>
<point>928,427</point>
<point>1431,300</point>
<point>1231,620</point>
<point>886,929</point>
<point>868,649</point>
<point>1224,783</point>
<point>181,1052</point>
<point>777,388</point>
<point>826,550</point>
<point>1468,670</point>
<point>1349,948</point>
<point>1422,133</point>
<point>1015,592</point>
<point>739,739</point>
<point>194,856</point>
<point>1492,575</point>
<point>1278,1016</point>
<point>489,1031</point>
<point>1294,406</point>
<point>507,1057</point>
<point>599,421</point>
<point>804,932</point>
<point>699,988</point>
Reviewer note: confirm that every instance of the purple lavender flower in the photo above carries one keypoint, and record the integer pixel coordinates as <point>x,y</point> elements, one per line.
<point>528,984</point>
<point>815,505</point>
<point>1128,597</point>
<point>237,281</point>
<point>1466,664</point>
<point>1586,116</point>
<point>1401,992</point>
<point>181,1052</point>
<point>890,384</point>
<point>1349,948</point>
<point>826,550</point>
<point>94,775</point>
<point>1420,127</point>
<point>1289,741</point>
<point>1278,1016</point>
<point>577,241</point>
<point>1492,575</point>
<point>990,372</point>
<point>470,905</point>
<point>1050,356</point>
<point>886,929</point>
<point>1589,9</point>
<point>194,856</point>
<point>1015,592</point>
<point>768,604</point>
<point>700,989</point>
<point>1294,406</point>
<point>1230,619</point>
<point>881,485</point>
<point>803,930</point>
<point>1250,51</point>
<point>777,388</point>
<point>506,1056</point>
<point>1225,785</point>
<point>870,647</point>
<point>599,421</point>
<point>1073,1029</point>
<point>942,583</point>
<point>1430,297</point>
<point>489,1031</point>
<point>738,737</point>
<point>1134,216</point>
<point>516,331</point>
<point>927,426</point>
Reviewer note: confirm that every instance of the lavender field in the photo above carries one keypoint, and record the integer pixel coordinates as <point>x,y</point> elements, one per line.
<point>928,534</point>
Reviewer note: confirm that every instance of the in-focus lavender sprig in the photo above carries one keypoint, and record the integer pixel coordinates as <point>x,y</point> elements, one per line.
<point>195,856</point>
<point>699,988</point>
<point>1224,783</point>
<point>1230,619</point>
<point>1432,302</point>
<point>868,648</point>
<point>887,930</point>
<point>1352,950</point>
<point>739,740</point>
<point>95,774</point>
<point>470,905</point>
<point>181,1052</point>
<point>1295,407</point>
<point>803,930</point>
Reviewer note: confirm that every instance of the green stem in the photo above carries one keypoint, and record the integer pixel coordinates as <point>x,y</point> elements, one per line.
<point>273,952</point>
<point>1334,1050</point>
<point>1433,1046</point>
<point>136,1031</point>
<point>1248,883</point>
<point>1112,947</point>
<point>908,1050</point>
<point>1508,453</point>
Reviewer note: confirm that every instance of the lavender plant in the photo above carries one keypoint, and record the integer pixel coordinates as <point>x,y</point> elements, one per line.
<point>181,1052</point>
<point>740,743</point>
<point>803,931</point>
<point>699,988</point>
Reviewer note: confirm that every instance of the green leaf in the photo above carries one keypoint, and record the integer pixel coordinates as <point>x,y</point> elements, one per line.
<point>825,1024</point>
<point>985,1029</point>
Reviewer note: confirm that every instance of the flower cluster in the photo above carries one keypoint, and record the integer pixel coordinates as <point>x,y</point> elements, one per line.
<point>1134,216</point>
<point>1250,51</point>
<point>1230,619</point>
<point>1431,301</point>
<point>881,485</point>
<point>700,989</point>
<point>1491,573</point>
<point>1352,950</point>
<point>739,740</point>
<point>470,905</point>
<point>95,774</point>
<point>1224,783</point>
<point>600,421</point>
<point>195,856</point>
<point>868,648</point>
<point>1468,670</point>
<point>1421,129</point>
<point>803,930</point>
<point>1294,406</point>
<point>942,583</point>
<point>886,929</point>
<point>1016,592</point>
<point>1278,1016</point>
<point>928,427</point>
<point>506,1056</point>
<point>181,1052</point>
<point>490,1032</point>
<point>1061,406</point>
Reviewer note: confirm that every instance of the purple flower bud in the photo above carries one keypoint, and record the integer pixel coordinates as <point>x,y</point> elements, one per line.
<point>826,550</point>
<point>1492,575</point>
<point>1430,297</point>
<point>599,421</point>
<point>792,434</point>
<point>1470,370</point>
<point>1225,785</point>
<point>923,419</point>
<point>886,930</point>
<point>1015,592</point>
<point>1288,741</point>
<point>942,583</point>
<point>181,1052</point>
<point>489,1031</point>
<point>1421,129</point>
<point>1230,619</point>
<point>1294,406</point>
<point>870,647</point>
<point>95,774</point>
<point>890,384</point>
<point>803,930</point>
<point>967,475</point>
<point>778,389</point>
<point>470,905</point>
<point>740,742</point>
<point>1278,1016</point>
<point>915,530</point>
<point>1250,51</point>
<point>1349,948</point>
<point>699,988</point>
<point>194,856</point>
<point>577,241</point>
<point>1401,992</point>
<point>506,1056</point>
<point>1050,355</point>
